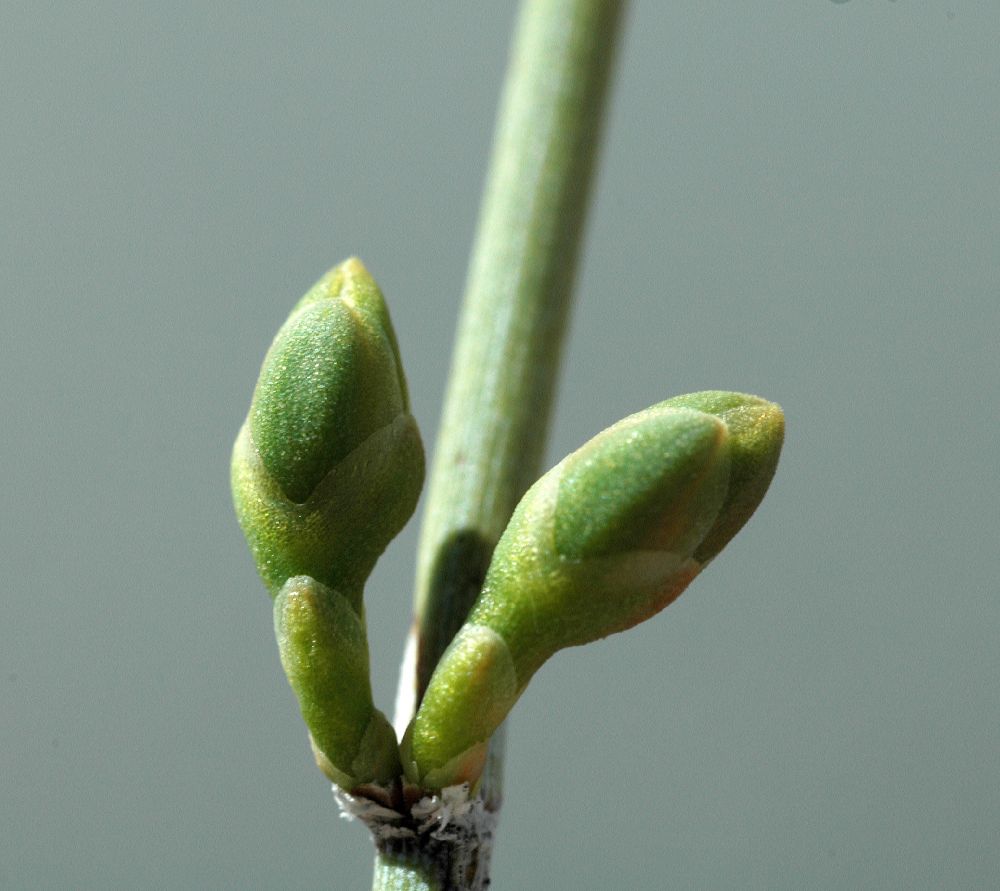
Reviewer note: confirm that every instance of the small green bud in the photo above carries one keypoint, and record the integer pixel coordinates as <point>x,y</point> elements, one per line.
<point>447,742</point>
<point>324,652</point>
<point>603,541</point>
<point>329,465</point>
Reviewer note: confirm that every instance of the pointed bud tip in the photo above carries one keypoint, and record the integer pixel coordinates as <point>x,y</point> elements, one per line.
<point>351,283</point>
<point>757,429</point>
<point>340,281</point>
<point>331,378</point>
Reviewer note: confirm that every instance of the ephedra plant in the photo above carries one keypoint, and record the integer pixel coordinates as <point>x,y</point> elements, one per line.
<point>513,565</point>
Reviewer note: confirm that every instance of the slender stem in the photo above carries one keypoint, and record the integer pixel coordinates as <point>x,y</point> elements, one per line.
<point>508,347</point>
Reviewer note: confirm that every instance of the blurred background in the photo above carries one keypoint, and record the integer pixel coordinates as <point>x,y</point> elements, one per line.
<point>796,199</point>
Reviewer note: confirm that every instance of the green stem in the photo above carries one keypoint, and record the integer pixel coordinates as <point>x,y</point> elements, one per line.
<point>496,412</point>
<point>503,375</point>
<point>402,872</point>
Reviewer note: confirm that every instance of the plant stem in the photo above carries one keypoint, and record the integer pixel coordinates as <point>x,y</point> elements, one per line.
<point>503,375</point>
<point>396,872</point>
<point>508,346</point>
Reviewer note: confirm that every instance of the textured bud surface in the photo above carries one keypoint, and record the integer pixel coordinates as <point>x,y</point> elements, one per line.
<point>324,652</point>
<point>653,481</point>
<point>329,466</point>
<point>480,670</point>
<point>339,532</point>
<point>757,432</point>
<point>329,381</point>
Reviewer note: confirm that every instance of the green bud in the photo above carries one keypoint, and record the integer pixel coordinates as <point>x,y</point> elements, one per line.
<point>324,651</point>
<point>756,433</point>
<point>329,465</point>
<point>471,692</point>
<point>603,541</point>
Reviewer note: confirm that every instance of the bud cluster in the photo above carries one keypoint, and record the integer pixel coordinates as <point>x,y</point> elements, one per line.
<point>326,471</point>
<point>328,468</point>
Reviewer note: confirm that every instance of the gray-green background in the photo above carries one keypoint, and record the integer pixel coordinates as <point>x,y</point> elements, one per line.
<point>797,199</point>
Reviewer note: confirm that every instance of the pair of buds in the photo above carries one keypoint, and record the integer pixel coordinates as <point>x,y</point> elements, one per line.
<point>329,466</point>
